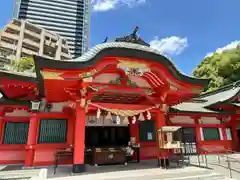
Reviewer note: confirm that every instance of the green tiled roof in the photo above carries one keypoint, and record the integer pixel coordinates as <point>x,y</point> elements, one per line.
<point>219,96</point>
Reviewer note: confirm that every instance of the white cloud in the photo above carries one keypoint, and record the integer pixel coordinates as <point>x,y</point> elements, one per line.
<point>232,45</point>
<point>171,45</point>
<point>105,5</point>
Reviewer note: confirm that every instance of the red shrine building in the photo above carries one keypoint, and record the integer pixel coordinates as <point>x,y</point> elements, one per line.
<point>117,92</point>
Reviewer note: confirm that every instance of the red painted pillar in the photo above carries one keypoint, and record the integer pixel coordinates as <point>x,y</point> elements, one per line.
<point>32,139</point>
<point>160,122</point>
<point>235,133</point>
<point>134,132</point>
<point>79,139</point>
<point>134,129</point>
<point>70,133</point>
<point>197,132</point>
<point>2,113</point>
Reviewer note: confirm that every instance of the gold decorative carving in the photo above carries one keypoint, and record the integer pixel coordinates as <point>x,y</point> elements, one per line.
<point>150,92</point>
<point>87,79</point>
<point>173,86</point>
<point>164,108</point>
<point>133,68</point>
<point>132,64</point>
<point>97,88</point>
<point>83,102</point>
<point>52,75</point>
<point>83,92</point>
<point>87,74</point>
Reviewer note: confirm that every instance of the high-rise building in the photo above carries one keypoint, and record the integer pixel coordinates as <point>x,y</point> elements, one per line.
<point>22,39</point>
<point>68,18</point>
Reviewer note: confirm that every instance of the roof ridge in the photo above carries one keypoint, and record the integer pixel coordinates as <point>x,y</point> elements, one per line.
<point>220,89</point>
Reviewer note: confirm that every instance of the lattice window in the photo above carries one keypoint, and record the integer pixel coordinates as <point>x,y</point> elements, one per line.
<point>189,135</point>
<point>147,130</point>
<point>211,134</point>
<point>52,131</point>
<point>16,133</point>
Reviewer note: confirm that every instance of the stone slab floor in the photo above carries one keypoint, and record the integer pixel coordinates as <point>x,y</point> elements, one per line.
<point>146,170</point>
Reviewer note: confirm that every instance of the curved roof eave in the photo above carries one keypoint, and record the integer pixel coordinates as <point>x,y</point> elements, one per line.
<point>26,77</point>
<point>118,49</point>
<point>6,101</point>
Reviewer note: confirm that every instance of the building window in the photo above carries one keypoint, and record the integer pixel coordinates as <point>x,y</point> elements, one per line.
<point>52,131</point>
<point>16,133</point>
<point>211,134</point>
<point>147,130</point>
<point>186,135</point>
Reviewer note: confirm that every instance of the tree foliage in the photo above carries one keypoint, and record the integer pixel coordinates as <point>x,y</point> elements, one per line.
<point>221,68</point>
<point>24,64</point>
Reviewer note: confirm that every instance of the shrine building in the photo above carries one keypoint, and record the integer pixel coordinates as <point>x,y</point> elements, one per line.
<point>115,93</point>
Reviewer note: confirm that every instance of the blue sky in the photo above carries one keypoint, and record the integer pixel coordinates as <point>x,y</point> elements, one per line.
<point>185,30</point>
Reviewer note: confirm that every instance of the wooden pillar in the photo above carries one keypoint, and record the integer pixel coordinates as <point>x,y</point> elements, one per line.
<point>79,140</point>
<point>2,114</point>
<point>32,139</point>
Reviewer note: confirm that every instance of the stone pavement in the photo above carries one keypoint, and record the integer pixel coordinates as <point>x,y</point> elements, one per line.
<point>186,173</point>
<point>2,167</point>
<point>219,164</point>
<point>146,170</point>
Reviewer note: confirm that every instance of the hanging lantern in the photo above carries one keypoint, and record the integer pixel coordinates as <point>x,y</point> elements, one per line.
<point>118,120</point>
<point>98,113</point>
<point>109,116</point>
<point>149,115</point>
<point>125,120</point>
<point>134,120</point>
<point>141,117</point>
<point>35,105</point>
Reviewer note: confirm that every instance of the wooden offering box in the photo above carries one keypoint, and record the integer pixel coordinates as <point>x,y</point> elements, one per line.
<point>104,156</point>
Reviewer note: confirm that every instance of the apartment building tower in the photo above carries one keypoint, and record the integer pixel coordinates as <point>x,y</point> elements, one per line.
<point>19,39</point>
<point>68,18</point>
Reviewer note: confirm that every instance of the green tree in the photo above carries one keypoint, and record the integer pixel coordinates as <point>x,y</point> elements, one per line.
<point>24,64</point>
<point>221,68</point>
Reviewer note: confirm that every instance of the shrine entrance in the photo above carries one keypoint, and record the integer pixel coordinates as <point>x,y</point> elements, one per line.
<point>110,136</point>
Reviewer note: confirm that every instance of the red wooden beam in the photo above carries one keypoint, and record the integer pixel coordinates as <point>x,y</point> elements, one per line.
<point>121,106</point>
<point>119,88</point>
<point>193,114</point>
